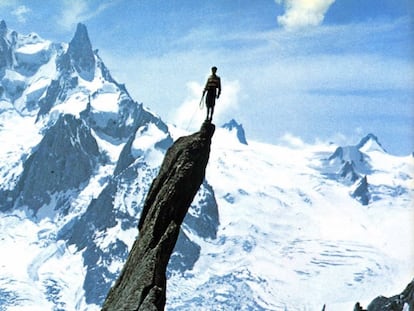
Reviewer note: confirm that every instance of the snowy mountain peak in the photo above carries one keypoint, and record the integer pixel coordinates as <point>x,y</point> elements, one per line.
<point>232,125</point>
<point>357,154</point>
<point>370,143</point>
<point>81,53</point>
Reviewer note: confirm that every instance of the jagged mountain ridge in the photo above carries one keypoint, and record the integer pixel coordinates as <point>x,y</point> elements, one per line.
<point>351,165</point>
<point>64,171</point>
<point>233,125</point>
<point>282,211</point>
<point>92,143</point>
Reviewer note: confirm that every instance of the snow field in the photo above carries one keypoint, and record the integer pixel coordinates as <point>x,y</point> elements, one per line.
<point>295,237</point>
<point>17,137</point>
<point>28,244</point>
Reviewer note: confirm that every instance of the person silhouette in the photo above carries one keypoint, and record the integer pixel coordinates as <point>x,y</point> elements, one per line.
<point>213,89</point>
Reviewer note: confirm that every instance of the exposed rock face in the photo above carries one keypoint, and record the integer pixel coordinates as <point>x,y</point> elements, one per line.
<point>361,192</point>
<point>64,159</point>
<point>5,50</point>
<point>80,51</point>
<point>348,173</point>
<point>401,302</point>
<point>142,283</point>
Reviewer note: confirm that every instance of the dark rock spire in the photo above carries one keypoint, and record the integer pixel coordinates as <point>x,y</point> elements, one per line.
<point>142,283</point>
<point>361,192</point>
<point>6,57</point>
<point>81,53</point>
<point>3,28</point>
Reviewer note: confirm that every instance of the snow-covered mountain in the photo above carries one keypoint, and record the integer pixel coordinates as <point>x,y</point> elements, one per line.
<point>272,227</point>
<point>79,155</point>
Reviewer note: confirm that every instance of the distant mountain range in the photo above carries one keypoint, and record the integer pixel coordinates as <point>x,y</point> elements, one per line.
<point>272,227</point>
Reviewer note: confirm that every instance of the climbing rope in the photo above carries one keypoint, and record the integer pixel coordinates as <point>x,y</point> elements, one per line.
<point>201,105</point>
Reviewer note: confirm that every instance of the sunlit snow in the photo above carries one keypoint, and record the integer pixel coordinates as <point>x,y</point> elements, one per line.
<point>297,238</point>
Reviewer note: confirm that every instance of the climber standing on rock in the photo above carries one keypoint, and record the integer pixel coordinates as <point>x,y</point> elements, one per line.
<point>213,89</point>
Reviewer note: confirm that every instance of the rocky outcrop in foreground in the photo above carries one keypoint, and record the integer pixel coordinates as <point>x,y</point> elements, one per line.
<point>401,302</point>
<point>142,282</point>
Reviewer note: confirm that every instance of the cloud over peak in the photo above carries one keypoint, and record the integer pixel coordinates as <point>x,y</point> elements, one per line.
<point>303,13</point>
<point>76,11</point>
<point>20,13</point>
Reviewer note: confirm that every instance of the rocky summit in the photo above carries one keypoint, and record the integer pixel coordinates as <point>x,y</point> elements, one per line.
<point>401,302</point>
<point>142,283</point>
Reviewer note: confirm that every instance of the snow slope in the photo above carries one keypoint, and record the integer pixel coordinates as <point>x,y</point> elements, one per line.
<point>291,238</point>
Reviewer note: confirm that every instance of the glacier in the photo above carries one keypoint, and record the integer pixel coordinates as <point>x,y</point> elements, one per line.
<point>273,227</point>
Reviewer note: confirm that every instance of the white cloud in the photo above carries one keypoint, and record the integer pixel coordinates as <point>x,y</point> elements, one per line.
<point>228,102</point>
<point>292,141</point>
<point>303,13</point>
<point>73,12</point>
<point>7,3</point>
<point>20,12</point>
<point>191,114</point>
<point>77,11</point>
<point>13,7</point>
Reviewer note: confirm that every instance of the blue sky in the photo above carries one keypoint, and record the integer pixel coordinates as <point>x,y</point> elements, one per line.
<point>330,70</point>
